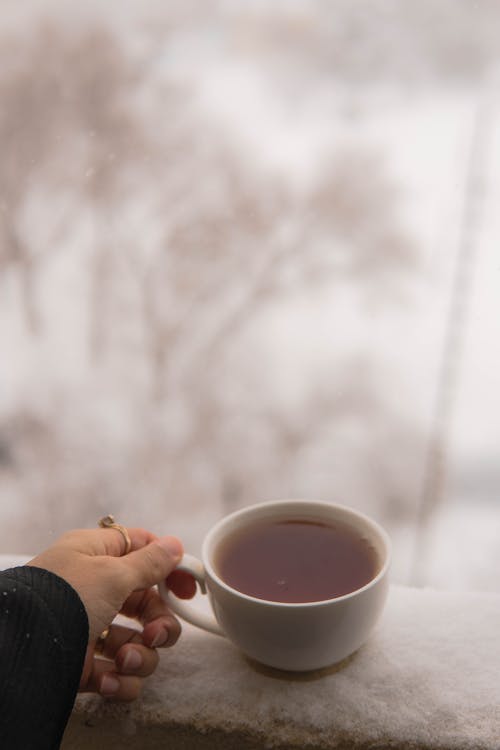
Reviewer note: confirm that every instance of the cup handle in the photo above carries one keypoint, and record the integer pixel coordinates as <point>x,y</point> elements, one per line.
<point>186,610</point>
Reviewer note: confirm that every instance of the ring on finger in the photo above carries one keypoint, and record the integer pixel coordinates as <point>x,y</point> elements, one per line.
<point>108,522</point>
<point>100,644</point>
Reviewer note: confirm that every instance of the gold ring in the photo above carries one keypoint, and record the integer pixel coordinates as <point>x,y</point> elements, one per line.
<point>108,522</point>
<point>100,644</point>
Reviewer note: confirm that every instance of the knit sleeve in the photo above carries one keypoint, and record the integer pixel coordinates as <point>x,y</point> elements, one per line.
<point>43,641</point>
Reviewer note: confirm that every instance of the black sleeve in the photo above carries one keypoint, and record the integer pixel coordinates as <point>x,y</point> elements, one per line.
<point>43,640</point>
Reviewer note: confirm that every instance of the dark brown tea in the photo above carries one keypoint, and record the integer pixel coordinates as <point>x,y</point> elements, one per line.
<point>296,560</point>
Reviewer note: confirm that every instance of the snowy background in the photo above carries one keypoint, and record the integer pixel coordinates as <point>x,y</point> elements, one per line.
<point>250,250</point>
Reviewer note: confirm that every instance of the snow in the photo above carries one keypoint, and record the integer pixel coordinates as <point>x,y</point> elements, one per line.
<point>12,561</point>
<point>428,676</point>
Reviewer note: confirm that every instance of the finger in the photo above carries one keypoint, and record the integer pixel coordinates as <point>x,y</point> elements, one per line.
<point>182,584</point>
<point>125,648</point>
<point>107,682</point>
<point>145,606</point>
<point>153,563</point>
<point>138,660</point>
<point>106,541</point>
<point>117,637</point>
<point>164,631</point>
<point>161,628</point>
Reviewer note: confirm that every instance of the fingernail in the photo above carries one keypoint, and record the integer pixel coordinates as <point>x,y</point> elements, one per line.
<point>109,684</point>
<point>172,545</point>
<point>160,639</point>
<point>132,660</point>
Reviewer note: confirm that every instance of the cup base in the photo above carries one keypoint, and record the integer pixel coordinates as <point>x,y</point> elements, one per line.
<point>294,676</point>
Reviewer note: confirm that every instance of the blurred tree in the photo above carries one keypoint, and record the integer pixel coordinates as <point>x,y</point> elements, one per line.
<point>64,129</point>
<point>29,135</point>
<point>345,44</point>
<point>190,245</point>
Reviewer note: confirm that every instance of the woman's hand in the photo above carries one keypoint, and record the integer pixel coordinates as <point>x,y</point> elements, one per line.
<point>111,582</point>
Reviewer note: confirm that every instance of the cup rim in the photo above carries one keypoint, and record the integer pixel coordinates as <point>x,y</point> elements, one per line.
<point>290,503</point>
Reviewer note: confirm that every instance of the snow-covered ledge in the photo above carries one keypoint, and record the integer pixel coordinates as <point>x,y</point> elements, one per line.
<point>428,678</point>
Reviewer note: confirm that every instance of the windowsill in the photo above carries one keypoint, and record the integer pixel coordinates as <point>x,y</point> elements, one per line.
<point>428,678</point>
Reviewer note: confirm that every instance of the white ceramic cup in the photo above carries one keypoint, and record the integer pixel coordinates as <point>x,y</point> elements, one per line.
<point>299,636</point>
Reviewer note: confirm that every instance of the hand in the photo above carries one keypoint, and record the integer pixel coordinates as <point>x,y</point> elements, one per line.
<point>109,582</point>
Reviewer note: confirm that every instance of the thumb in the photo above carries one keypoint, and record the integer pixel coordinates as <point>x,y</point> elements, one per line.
<point>154,562</point>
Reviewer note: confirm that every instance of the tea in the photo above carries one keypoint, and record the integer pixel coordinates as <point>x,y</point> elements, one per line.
<point>296,560</point>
